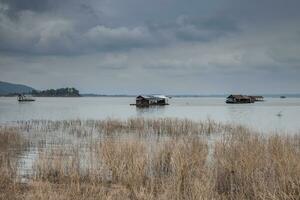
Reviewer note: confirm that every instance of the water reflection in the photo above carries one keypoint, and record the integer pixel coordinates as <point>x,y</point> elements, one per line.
<point>148,111</point>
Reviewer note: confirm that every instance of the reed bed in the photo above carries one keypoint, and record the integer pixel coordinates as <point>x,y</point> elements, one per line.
<point>182,164</point>
<point>250,166</point>
<point>142,126</point>
<point>11,145</point>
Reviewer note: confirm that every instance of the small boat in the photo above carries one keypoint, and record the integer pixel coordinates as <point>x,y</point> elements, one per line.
<point>282,97</point>
<point>22,98</point>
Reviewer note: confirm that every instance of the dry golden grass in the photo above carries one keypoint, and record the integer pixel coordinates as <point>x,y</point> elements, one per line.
<point>239,164</point>
<point>142,126</point>
<point>9,141</point>
<point>173,171</point>
<point>249,166</point>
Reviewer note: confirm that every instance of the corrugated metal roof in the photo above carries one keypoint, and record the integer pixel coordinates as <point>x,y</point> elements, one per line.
<point>152,96</point>
<point>160,96</point>
<point>239,96</point>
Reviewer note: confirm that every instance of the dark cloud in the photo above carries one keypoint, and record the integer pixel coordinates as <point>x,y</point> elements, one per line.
<point>261,11</point>
<point>139,40</point>
<point>33,5</point>
<point>74,27</point>
<point>48,6</point>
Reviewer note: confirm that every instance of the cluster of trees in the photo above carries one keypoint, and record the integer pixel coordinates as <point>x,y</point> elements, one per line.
<point>61,92</point>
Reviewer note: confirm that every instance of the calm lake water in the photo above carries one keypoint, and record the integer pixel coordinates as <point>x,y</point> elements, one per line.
<point>262,116</point>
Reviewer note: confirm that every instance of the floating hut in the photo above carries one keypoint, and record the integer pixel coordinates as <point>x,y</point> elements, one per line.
<point>150,100</point>
<point>239,99</point>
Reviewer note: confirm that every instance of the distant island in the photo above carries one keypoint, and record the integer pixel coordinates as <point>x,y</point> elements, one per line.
<point>12,89</point>
<point>61,92</point>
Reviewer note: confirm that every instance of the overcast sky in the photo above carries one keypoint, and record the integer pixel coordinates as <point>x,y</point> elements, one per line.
<point>152,46</point>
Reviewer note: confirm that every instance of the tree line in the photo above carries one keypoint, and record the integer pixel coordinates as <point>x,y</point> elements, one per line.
<point>61,92</point>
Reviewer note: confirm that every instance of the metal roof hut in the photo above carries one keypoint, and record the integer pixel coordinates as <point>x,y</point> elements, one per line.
<point>239,99</point>
<point>143,100</point>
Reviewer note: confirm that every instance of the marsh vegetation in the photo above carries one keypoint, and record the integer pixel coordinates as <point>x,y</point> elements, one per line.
<point>146,159</point>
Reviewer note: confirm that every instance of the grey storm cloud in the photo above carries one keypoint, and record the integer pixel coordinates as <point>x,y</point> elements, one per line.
<point>51,27</point>
<point>108,42</point>
<point>34,5</point>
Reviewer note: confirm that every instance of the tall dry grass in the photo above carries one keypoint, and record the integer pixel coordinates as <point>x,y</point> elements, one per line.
<point>250,166</point>
<point>11,143</point>
<point>174,170</point>
<point>238,164</point>
<point>142,126</point>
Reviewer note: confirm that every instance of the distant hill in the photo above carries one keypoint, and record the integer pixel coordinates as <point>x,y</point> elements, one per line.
<point>11,88</point>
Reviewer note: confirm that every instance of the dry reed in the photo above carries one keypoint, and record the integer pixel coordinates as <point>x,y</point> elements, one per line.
<point>11,143</point>
<point>141,126</point>
<point>242,164</point>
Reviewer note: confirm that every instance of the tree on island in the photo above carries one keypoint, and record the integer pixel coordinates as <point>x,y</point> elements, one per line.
<point>61,92</point>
